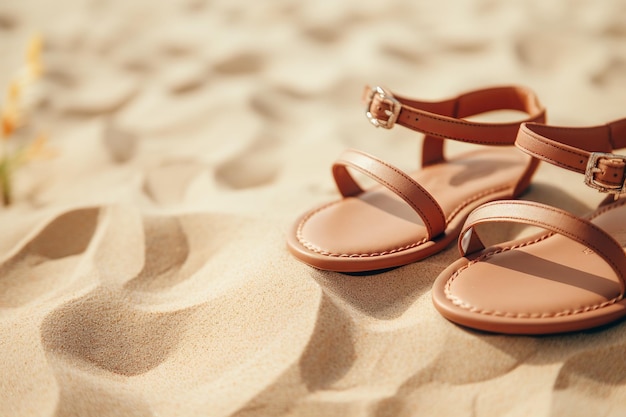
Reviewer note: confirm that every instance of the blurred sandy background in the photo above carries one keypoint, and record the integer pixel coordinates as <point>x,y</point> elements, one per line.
<point>143,270</point>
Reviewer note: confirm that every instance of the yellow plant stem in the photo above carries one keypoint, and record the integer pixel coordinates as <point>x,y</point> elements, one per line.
<point>5,182</point>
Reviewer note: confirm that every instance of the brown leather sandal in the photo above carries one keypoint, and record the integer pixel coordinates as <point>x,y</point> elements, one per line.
<point>571,277</point>
<point>409,217</point>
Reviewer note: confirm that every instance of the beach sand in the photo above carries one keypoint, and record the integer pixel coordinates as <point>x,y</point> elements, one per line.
<point>144,270</point>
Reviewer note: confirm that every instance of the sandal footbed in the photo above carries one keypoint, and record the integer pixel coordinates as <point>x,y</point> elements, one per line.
<point>377,230</point>
<point>535,285</point>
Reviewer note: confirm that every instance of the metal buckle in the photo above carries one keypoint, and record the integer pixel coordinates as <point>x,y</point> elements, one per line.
<point>387,98</point>
<point>592,168</point>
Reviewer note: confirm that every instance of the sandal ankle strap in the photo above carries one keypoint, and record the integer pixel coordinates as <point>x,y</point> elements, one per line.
<point>586,150</point>
<point>445,119</point>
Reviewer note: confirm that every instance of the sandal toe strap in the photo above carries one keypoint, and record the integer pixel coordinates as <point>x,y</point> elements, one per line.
<point>420,200</point>
<point>549,218</point>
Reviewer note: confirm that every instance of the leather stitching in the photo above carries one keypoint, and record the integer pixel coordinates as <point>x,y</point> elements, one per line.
<point>606,208</point>
<point>473,309</point>
<point>466,306</point>
<point>314,248</point>
<point>476,142</point>
<point>465,122</point>
<point>410,123</point>
<point>413,126</point>
<point>545,157</point>
<point>569,234</point>
<point>310,246</point>
<point>410,113</point>
<point>397,191</point>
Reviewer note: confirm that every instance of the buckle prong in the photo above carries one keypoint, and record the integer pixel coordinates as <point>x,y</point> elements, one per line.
<point>387,98</point>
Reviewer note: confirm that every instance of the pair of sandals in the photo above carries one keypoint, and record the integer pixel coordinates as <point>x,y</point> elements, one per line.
<point>571,276</point>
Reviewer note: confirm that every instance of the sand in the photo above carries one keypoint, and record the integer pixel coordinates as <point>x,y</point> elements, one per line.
<point>144,272</point>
